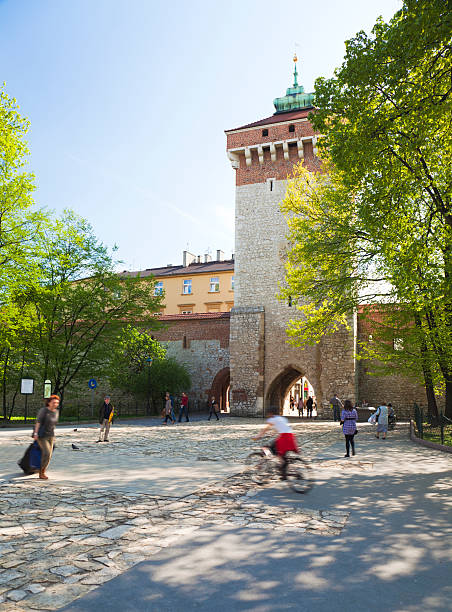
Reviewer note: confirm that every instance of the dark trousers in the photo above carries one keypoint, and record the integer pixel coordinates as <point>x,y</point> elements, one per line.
<point>183,411</point>
<point>337,413</point>
<point>350,441</point>
<point>212,411</point>
<point>309,412</point>
<point>167,418</point>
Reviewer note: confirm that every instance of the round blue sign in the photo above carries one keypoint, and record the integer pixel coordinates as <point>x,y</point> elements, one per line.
<point>92,383</point>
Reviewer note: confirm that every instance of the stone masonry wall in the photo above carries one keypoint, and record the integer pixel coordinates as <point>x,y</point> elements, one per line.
<point>247,360</point>
<point>259,268</point>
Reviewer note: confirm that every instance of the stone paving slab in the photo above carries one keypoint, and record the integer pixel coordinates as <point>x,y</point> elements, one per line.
<point>61,538</point>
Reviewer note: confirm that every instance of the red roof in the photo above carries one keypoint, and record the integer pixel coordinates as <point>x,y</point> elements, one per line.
<point>194,268</point>
<point>196,315</point>
<point>276,118</point>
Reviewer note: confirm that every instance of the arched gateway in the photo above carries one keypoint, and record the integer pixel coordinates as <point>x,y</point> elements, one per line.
<point>290,384</point>
<point>220,389</point>
<point>263,154</point>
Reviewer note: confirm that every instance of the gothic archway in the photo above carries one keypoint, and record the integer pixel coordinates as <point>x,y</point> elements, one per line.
<point>290,381</point>
<point>221,387</point>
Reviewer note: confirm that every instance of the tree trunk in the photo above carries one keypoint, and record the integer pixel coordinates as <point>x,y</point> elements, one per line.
<point>448,412</point>
<point>432,406</point>
<point>5,368</point>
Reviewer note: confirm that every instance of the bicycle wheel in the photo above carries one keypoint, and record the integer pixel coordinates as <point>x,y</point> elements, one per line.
<point>299,475</point>
<point>260,468</point>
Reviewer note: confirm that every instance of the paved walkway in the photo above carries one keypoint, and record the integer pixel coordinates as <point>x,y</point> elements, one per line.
<point>374,533</point>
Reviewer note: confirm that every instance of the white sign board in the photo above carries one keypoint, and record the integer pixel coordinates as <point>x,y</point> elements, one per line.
<point>26,386</point>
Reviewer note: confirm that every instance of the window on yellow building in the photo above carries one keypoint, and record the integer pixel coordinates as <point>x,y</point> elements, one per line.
<point>214,284</point>
<point>158,289</point>
<point>232,283</point>
<point>186,287</point>
<point>186,311</point>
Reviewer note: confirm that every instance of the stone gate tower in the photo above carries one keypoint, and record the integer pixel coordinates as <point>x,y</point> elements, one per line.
<point>263,365</point>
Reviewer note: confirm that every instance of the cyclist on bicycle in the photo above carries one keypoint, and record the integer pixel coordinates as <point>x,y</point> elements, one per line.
<point>284,443</point>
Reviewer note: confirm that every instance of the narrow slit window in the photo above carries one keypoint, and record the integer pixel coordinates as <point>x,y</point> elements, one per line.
<point>291,128</point>
<point>265,132</point>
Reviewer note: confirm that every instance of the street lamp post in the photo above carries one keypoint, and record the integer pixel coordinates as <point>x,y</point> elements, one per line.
<point>149,361</point>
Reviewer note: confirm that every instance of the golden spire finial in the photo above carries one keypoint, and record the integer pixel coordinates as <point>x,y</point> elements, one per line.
<point>295,58</point>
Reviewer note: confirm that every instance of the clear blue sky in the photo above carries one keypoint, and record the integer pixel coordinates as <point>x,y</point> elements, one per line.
<point>129,100</point>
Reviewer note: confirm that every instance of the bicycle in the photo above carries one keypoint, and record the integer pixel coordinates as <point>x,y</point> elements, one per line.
<point>267,466</point>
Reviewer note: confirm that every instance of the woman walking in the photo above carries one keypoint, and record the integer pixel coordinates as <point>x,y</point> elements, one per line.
<point>44,432</point>
<point>349,417</point>
<point>168,410</point>
<point>382,420</point>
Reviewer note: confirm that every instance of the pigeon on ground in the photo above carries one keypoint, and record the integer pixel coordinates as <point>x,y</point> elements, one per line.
<point>76,429</point>
<point>74,447</point>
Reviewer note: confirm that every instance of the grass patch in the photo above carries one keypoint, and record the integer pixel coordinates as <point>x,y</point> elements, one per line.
<point>433,434</point>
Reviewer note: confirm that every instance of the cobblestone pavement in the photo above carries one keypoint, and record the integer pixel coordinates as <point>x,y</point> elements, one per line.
<point>58,541</point>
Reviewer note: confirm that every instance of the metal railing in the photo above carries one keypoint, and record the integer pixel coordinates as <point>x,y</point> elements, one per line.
<point>434,429</point>
<point>75,409</point>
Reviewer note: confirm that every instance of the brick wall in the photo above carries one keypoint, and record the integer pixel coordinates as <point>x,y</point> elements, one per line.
<point>402,392</point>
<point>201,343</point>
<point>280,168</point>
<point>276,132</point>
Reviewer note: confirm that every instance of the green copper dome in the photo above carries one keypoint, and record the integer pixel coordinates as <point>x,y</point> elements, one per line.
<point>295,98</point>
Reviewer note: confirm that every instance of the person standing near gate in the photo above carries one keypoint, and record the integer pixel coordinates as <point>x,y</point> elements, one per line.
<point>337,406</point>
<point>44,432</point>
<point>214,408</point>
<point>105,418</point>
<point>300,407</point>
<point>309,406</point>
<point>183,407</point>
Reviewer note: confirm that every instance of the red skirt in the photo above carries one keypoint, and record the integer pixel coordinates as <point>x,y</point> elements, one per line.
<point>286,442</point>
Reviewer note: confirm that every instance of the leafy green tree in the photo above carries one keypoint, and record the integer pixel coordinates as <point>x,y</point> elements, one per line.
<point>380,225</point>
<point>167,375</point>
<point>19,225</point>
<point>80,303</point>
<point>130,369</point>
<point>18,221</point>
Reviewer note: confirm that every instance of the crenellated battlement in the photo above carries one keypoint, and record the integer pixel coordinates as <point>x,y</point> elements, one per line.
<point>270,150</point>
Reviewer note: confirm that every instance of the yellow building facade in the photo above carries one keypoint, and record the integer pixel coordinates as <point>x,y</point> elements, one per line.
<point>199,285</point>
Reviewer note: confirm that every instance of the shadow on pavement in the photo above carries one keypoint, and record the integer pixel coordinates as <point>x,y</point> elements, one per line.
<point>394,553</point>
